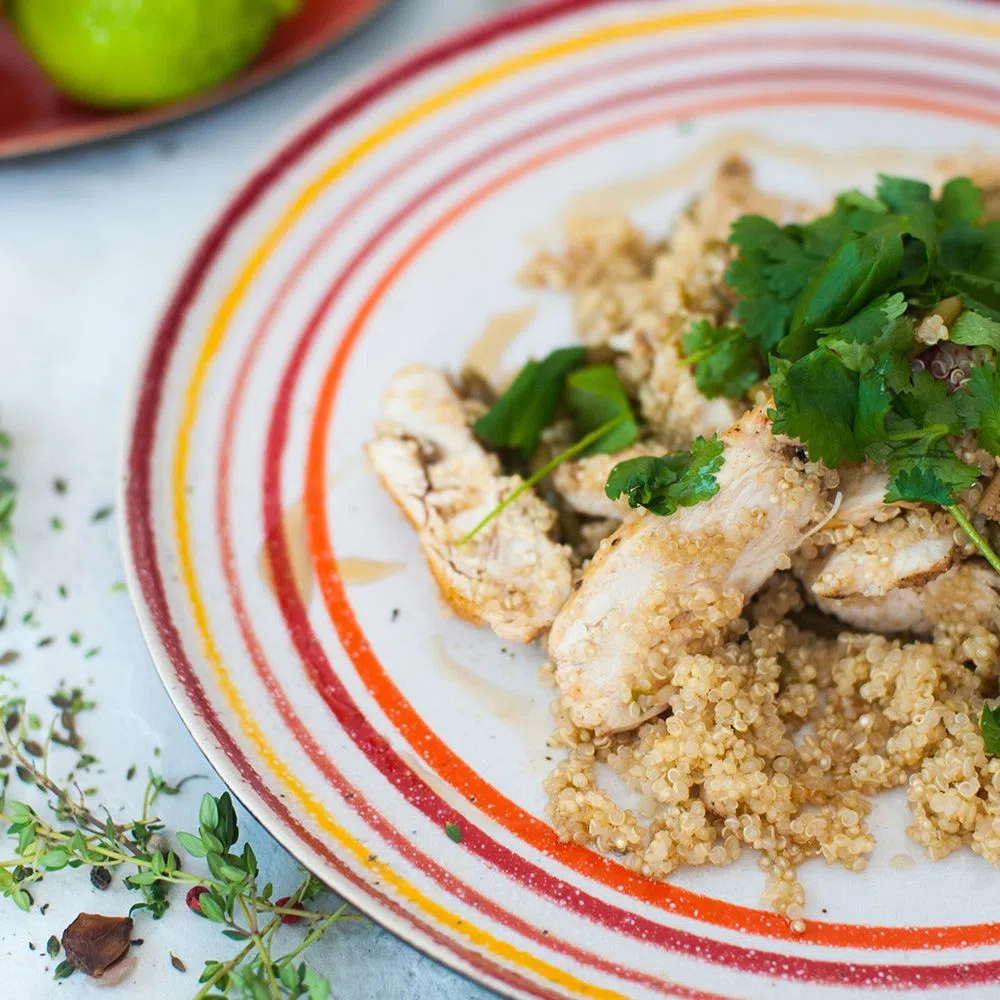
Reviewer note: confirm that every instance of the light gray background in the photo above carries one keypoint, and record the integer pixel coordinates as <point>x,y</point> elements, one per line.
<point>90,243</point>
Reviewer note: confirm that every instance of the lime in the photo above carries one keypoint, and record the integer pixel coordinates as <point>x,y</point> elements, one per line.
<point>128,53</point>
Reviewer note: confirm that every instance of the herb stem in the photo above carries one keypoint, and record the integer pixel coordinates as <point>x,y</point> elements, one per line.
<point>572,451</point>
<point>266,963</point>
<point>977,539</point>
<point>705,352</point>
<point>933,431</point>
<point>224,969</point>
<point>315,933</point>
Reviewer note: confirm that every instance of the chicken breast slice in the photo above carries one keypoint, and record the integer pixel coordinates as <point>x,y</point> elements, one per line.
<point>884,556</point>
<point>511,575</point>
<point>662,586</point>
<point>862,488</point>
<point>968,593</point>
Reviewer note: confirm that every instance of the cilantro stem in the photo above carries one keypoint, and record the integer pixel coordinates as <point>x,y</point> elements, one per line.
<point>977,539</point>
<point>573,450</point>
<point>932,431</point>
<point>693,359</point>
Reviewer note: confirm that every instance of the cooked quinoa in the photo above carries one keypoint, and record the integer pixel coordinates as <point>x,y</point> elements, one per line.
<point>774,738</point>
<point>775,742</point>
<point>768,642</point>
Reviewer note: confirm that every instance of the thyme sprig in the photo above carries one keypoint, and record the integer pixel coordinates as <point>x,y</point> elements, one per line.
<point>67,832</point>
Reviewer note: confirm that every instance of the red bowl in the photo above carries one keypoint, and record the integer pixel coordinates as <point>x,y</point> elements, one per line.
<point>35,117</point>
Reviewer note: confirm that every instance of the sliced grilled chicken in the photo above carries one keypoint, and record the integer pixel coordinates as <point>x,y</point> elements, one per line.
<point>511,575</point>
<point>862,488</point>
<point>967,593</point>
<point>663,586</point>
<point>884,556</point>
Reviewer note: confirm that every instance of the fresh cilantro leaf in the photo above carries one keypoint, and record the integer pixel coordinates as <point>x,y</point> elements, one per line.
<point>960,201</point>
<point>765,320</point>
<point>879,331</point>
<point>601,411</point>
<point>866,326</point>
<point>929,404</point>
<point>874,403</point>
<point>912,201</point>
<point>816,401</point>
<point>978,292</point>
<point>983,390</point>
<point>516,420</point>
<point>927,471</point>
<point>860,271</point>
<point>661,485</point>
<point>903,195</point>
<point>989,726</point>
<point>917,486</point>
<point>726,362</point>
<point>595,397</point>
<point>777,257</point>
<point>975,330</point>
<point>893,346</point>
<point>853,213</point>
<point>768,273</point>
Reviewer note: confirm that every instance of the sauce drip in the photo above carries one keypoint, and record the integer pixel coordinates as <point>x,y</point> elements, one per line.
<point>357,572</point>
<point>487,350</point>
<point>293,527</point>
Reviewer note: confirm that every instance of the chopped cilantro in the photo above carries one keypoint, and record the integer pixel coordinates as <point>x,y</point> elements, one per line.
<point>916,484</point>
<point>975,330</point>
<point>516,420</point>
<point>989,726</point>
<point>960,201</point>
<point>663,484</point>
<point>816,400</point>
<point>725,362</point>
<point>859,272</point>
<point>595,396</point>
<point>984,391</point>
<point>832,304</point>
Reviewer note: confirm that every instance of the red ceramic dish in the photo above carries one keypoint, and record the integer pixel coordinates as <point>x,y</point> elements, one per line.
<point>35,117</point>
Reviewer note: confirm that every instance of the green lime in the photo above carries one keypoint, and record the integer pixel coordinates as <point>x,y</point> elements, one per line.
<point>128,53</point>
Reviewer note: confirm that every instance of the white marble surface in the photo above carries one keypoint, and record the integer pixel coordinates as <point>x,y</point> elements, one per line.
<point>90,242</point>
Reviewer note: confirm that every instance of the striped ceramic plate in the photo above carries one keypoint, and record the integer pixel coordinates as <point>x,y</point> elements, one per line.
<point>285,601</point>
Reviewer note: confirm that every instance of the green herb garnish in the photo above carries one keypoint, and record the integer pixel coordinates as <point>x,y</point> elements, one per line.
<point>661,485</point>
<point>516,420</point>
<point>829,302</point>
<point>975,330</point>
<point>577,449</point>
<point>726,363</point>
<point>989,726</point>
<point>594,396</point>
